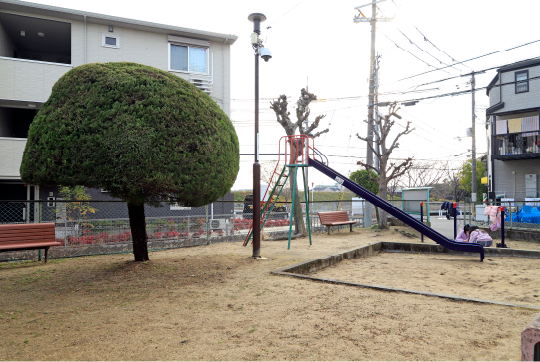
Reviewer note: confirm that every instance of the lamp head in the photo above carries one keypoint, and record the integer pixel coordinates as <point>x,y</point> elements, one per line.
<point>257,19</point>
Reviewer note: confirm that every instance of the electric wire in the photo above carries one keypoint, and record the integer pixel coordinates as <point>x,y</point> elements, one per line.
<point>468,60</point>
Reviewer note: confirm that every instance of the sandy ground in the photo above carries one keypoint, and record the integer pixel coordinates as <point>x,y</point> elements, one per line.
<point>215,303</point>
<point>513,280</point>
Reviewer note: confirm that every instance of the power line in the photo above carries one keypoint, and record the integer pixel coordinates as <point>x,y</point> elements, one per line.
<point>425,51</point>
<point>468,60</point>
<point>469,90</point>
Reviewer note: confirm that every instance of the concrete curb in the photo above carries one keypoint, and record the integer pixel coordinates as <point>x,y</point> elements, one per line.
<point>300,270</point>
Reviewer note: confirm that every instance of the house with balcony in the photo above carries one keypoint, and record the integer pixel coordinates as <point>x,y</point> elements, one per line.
<point>514,125</point>
<point>40,43</point>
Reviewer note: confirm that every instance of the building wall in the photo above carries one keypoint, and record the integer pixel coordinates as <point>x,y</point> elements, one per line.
<point>513,101</point>
<point>135,46</point>
<point>513,184</point>
<point>495,94</point>
<point>33,80</point>
<point>6,45</point>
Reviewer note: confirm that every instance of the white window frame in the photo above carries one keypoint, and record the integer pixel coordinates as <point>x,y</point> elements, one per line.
<point>190,46</point>
<point>105,35</point>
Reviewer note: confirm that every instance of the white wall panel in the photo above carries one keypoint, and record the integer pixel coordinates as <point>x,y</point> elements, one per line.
<point>51,75</point>
<point>7,78</point>
<point>133,46</point>
<point>12,151</point>
<point>28,81</point>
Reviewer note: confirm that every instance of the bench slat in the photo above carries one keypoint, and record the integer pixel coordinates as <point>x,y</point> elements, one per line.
<point>332,217</point>
<point>26,227</point>
<point>23,237</point>
<point>341,223</point>
<point>18,246</point>
<point>10,233</point>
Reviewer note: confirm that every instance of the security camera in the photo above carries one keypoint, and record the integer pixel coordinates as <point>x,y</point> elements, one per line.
<point>266,54</point>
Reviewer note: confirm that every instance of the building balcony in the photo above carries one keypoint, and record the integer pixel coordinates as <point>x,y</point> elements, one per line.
<point>516,146</point>
<point>12,150</point>
<point>28,80</point>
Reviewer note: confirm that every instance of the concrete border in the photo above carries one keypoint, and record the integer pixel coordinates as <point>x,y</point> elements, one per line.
<point>303,269</point>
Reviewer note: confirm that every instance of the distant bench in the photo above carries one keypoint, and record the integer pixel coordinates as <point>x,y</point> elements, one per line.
<point>335,218</point>
<point>16,237</point>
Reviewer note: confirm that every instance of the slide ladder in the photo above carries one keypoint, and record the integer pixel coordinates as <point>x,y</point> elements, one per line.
<point>269,204</point>
<point>398,213</point>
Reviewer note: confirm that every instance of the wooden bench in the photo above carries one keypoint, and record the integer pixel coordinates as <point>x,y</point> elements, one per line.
<point>16,237</point>
<point>335,218</point>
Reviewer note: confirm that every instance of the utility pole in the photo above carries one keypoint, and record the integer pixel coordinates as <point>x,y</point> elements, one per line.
<point>361,18</point>
<point>473,135</point>
<point>473,150</point>
<point>377,114</point>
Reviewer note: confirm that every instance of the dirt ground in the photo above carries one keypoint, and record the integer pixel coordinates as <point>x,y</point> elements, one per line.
<point>513,280</point>
<point>215,303</point>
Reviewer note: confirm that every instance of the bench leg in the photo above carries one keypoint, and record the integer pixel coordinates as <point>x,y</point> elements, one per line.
<point>351,227</point>
<point>39,255</point>
<point>46,252</point>
<point>328,228</point>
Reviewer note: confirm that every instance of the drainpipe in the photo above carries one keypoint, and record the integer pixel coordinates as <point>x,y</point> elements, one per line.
<point>223,74</point>
<point>85,60</point>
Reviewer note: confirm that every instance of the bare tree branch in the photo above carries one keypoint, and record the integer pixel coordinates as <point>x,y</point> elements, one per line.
<point>279,106</point>
<point>388,171</point>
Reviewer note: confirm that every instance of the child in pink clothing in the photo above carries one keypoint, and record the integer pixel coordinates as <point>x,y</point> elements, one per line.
<point>472,234</point>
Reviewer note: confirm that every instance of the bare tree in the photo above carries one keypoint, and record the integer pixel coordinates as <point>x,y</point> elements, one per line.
<point>387,169</point>
<point>449,188</point>
<point>423,174</point>
<point>280,107</point>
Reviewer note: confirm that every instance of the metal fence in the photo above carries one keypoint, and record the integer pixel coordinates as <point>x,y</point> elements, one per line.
<point>519,215</point>
<point>102,227</point>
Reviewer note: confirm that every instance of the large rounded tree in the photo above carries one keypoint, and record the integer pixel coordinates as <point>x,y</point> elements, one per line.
<point>141,133</point>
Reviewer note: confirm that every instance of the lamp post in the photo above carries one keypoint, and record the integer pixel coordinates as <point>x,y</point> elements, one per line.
<point>257,43</point>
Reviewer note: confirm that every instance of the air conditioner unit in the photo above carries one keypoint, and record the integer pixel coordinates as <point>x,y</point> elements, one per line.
<point>216,224</point>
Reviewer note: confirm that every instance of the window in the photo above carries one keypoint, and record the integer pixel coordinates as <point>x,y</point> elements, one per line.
<point>522,81</point>
<point>110,41</point>
<point>188,59</point>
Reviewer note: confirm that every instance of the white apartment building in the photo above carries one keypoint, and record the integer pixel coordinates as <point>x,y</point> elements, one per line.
<point>39,43</point>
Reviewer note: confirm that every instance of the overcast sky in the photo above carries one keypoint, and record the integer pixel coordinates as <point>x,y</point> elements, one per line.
<point>318,39</point>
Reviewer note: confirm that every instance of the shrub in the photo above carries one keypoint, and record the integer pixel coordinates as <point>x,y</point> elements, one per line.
<point>141,133</point>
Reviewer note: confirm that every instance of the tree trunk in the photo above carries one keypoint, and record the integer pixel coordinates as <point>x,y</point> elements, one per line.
<point>383,215</point>
<point>296,208</point>
<point>137,222</point>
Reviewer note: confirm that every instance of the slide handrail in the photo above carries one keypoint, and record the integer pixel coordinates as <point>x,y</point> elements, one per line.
<point>398,213</point>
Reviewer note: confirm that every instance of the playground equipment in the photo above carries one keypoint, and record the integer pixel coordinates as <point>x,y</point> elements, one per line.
<point>295,151</point>
<point>300,152</point>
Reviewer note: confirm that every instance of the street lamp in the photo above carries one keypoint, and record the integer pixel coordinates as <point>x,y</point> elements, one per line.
<point>260,51</point>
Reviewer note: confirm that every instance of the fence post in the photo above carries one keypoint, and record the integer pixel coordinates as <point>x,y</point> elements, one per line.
<point>422,218</point>
<point>207,227</point>
<point>502,244</point>
<point>187,227</point>
<point>455,219</point>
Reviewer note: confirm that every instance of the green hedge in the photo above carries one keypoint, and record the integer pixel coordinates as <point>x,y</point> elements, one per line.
<point>141,133</point>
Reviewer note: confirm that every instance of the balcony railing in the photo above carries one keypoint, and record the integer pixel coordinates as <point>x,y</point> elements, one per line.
<point>524,144</point>
<point>11,153</point>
